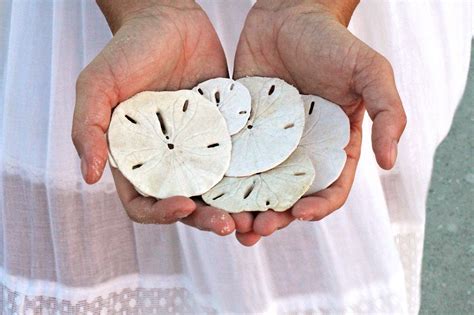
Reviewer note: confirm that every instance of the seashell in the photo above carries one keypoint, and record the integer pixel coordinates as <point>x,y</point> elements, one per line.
<point>169,143</point>
<point>277,189</point>
<point>274,128</point>
<point>232,99</point>
<point>325,136</point>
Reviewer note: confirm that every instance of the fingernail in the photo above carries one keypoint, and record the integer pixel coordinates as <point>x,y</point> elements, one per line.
<point>393,152</point>
<point>181,214</point>
<point>84,168</point>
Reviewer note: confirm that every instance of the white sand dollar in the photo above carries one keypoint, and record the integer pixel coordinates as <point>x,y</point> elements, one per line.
<point>232,99</point>
<point>169,143</point>
<point>273,130</point>
<point>276,189</point>
<point>325,136</point>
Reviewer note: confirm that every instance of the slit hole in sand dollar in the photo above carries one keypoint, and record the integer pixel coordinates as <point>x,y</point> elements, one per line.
<point>289,126</point>
<point>137,166</point>
<point>162,123</point>
<point>218,196</point>
<point>133,121</point>
<point>249,127</point>
<point>213,145</point>
<point>232,86</point>
<point>300,174</point>
<point>170,146</point>
<point>272,89</point>
<point>217,95</point>
<point>243,112</point>
<point>249,190</point>
<point>185,106</point>
<point>200,92</point>
<point>311,107</point>
<point>267,203</point>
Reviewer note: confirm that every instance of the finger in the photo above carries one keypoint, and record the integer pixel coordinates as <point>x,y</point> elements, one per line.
<point>211,219</point>
<point>165,211</point>
<point>243,221</point>
<point>95,98</point>
<point>320,204</point>
<point>148,210</point>
<point>376,84</point>
<point>247,239</point>
<point>269,221</point>
<point>324,202</point>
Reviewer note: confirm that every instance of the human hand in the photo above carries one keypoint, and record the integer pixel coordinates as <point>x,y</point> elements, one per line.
<point>307,44</point>
<point>157,45</point>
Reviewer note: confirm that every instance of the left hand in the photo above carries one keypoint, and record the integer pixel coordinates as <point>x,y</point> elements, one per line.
<point>157,45</point>
<point>306,43</point>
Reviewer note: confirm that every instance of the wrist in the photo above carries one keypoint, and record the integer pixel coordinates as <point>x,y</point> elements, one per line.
<point>341,9</point>
<point>116,12</point>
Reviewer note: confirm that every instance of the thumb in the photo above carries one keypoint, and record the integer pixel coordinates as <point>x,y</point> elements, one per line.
<point>95,98</point>
<point>375,82</point>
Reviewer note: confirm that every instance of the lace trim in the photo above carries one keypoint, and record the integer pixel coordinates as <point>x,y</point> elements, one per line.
<point>169,301</point>
<point>410,247</point>
<point>121,296</point>
<point>126,301</point>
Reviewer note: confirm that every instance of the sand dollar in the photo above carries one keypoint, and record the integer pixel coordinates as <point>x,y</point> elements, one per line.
<point>277,189</point>
<point>325,136</point>
<point>169,143</point>
<point>232,99</point>
<point>274,128</point>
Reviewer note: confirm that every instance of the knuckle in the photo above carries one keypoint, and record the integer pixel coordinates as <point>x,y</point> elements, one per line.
<point>403,120</point>
<point>76,140</point>
<point>163,217</point>
<point>399,116</point>
<point>145,216</point>
<point>383,63</point>
<point>74,136</point>
<point>135,217</point>
<point>83,79</point>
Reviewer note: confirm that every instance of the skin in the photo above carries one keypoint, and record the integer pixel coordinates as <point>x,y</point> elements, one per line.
<point>307,44</point>
<point>171,45</point>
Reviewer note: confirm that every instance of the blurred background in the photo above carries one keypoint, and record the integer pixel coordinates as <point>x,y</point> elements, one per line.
<point>448,259</point>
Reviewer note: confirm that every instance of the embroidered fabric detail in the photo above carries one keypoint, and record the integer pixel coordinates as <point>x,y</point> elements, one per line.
<point>410,248</point>
<point>127,301</point>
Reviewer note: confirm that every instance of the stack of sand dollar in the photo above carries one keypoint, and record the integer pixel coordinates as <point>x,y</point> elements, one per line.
<point>248,145</point>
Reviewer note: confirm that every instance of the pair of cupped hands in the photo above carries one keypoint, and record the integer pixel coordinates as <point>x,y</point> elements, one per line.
<point>171,45</point>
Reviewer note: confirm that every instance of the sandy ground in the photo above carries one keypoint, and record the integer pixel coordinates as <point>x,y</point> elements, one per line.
<point>448,262</point>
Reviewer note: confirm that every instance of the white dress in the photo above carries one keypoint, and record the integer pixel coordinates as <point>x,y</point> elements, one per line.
<point>67,247</point>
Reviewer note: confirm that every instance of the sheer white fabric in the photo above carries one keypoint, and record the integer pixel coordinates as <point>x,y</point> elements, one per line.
<point>70,248</point>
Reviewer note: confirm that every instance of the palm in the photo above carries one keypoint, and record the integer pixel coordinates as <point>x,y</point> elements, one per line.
<point>310,49</point>
<point>166,50</point>
<point>321,59</point>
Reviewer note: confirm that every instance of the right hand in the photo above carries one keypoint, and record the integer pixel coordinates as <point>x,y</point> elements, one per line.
<point>306,43</point>
<point>161,45</point>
